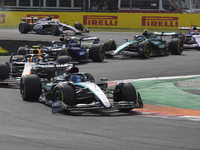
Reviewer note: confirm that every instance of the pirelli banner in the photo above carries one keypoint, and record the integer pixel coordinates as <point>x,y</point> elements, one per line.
<point>108,20</point>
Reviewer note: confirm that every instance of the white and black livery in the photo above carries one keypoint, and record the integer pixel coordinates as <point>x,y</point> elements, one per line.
<point>47,25</point>
<point>78,91</point>
<point>43,65</point>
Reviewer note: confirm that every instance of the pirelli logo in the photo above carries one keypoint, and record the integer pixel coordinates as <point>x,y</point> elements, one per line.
<point>100,20</point>
<point>156,21</point>
<point>2,18</point>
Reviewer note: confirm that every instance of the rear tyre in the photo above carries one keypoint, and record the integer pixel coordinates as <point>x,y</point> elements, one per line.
<point>176,46</point>
<point>4,71</point>
<point>30,87</point>
<point>110,45</point>
<point>63,51</point>
<point>124,92</point>
<point>55,29</point>
<point>144,49</point>
<point>78,26</point>
<point>65,93</point>
<point>24,27</point>
<point>21,51</point>
<point>64,59</point>
<point>97,53</point>
<point>89,77</point>
<point>182,37</point>
<point>17,58</point>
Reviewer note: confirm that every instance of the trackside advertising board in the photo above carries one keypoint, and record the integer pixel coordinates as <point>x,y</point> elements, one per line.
<point>108,20</point>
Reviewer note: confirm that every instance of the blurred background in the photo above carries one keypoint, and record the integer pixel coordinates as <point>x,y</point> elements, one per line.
<point>132,6</point>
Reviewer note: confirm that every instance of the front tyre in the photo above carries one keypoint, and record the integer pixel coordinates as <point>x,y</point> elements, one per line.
<point>144,49</point>
<point>97,53</point>
<point>55,29</point>
<point>4,71</point>
<point>124,92</point>
<point>30,87</point>
<point>65,93</point>
<point>176,46</point>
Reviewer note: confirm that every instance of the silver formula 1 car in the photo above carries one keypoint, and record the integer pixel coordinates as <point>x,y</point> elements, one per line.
<point>78,91</point>
<point>47,25</point>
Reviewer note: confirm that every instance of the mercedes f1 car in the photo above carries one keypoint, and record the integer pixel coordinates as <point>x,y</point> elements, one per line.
<point>47,25</point>
<point>192,38</point>
<point>145,45</point>
<point>76,91</point>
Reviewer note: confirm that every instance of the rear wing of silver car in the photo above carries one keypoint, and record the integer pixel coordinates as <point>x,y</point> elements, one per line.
<point>165,33</point>
<point>189,28</point>
<point>30,19</point>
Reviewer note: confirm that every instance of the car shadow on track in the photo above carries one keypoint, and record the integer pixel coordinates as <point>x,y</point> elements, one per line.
<point>102,113</point>
<point>9,86</point>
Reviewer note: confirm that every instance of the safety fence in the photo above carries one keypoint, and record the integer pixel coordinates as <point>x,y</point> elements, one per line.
<point>137,6</point>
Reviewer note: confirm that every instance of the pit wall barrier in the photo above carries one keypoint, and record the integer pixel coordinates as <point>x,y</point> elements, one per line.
<point>108,20</point>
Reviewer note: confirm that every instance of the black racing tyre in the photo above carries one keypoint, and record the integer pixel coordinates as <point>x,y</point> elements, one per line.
<point>65,93</point>
<point>30,87</point>
<point>124,92</point>
<point>63,51</point>
<point>176,46</point>
<point>89,77</point>
<point>18,58</point>
<point>97,52</point>
<point>24,27</point>
<point>55,29</point>
<point>64,59</point>
<point>182,37</point>
<point>110,45</point>
<point>144,49</point>
<point>21,51</point>
<point>4,71</point>
<point>78,26</point>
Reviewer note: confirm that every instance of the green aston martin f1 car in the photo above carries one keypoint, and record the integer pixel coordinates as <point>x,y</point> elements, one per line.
<point>146,45</point>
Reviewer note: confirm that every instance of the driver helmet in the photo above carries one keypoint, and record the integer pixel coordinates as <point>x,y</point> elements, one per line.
<point>58,44</point>
<point>36,59</point>
<point>48,18</point>
<point>145,33</point>
<point>76,78</point>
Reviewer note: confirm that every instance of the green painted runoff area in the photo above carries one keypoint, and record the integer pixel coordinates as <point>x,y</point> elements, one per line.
<point>163,92</point>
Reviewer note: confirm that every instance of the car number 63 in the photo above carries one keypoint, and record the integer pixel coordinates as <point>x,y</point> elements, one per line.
<point>37,27</point>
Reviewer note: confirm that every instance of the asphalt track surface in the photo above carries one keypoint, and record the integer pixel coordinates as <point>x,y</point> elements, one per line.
<point>30,125</point>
